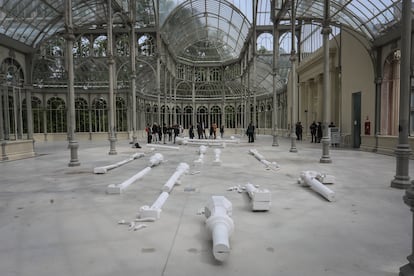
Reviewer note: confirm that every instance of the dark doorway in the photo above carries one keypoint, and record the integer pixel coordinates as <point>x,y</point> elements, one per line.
<point>356,119</point>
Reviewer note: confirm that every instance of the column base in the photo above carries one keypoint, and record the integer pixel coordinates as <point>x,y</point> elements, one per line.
<point>73,147</point>
<point>325,159</point>
<point>401,182</point>
<point>275,142</point>
<point>112,150</point>
<point>408,269</point>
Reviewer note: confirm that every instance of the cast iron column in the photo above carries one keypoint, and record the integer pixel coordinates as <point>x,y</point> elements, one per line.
<point>275,80</point>
<point>69,36</point>
<point>326,102</point>
<point>403,149</point>
<point>293,82</point>
<point>111,65</point>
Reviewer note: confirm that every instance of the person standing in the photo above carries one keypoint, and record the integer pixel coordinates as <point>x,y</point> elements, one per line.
<point>221,131</point>
<point>191,132</point>
<point>250,132</point>
<point>319,132</point>
<point>313,128</point>
<point>299,131</point>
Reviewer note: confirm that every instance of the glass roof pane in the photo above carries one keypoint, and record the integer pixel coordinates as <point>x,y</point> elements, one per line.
<point>263,13</point>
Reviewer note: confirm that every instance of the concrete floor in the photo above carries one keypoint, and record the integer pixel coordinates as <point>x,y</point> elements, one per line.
<point>57,220</point>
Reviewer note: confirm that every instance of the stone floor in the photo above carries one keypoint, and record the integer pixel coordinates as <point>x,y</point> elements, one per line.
<point>58,220</point>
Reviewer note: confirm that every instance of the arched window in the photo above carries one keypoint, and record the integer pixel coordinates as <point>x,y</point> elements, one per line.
<point>36,114</point>
<point>215,116</point>
<point>239,116</point>
<point>188,117</point>
<point>99,115</point>
<point>81,47</point>
<point>179,115</point>
<point>146,45</point>
<point>122,45</point>
<point>100,45</point>
<point>165,113</point>
<point>202,116</point>
<point>56,115</point>
<point>265,43</point>
<point>230,116</point>
<point>11,72</point>
<point>82,115</point>
<point>390,95</point>
<point>148,115</point>
<point>121,114</point>
<point>269,113</point>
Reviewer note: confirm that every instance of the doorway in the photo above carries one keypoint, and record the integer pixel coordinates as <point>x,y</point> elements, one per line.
<point>356,119</point>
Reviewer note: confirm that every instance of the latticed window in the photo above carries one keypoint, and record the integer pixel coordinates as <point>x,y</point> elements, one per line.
<point>239,116</point>
<point>215,74</point>
<point>165,118</point>
<point>179,114</point>
<point>180,72</point>
<point>122,45</point>
<point>99,115</point>
<point>188,116</point>
<point>230,116</point>
<point>148,114</point>
<point>146,45</point>
<point>268,118</point>
<point>202,116</point>
<point>100,45</point>
<point>121,114</point>
<point>82,115</point>
<point>36,114</point>
<point>81,47</point>
<point>215,116</point>
<point>56,115</point>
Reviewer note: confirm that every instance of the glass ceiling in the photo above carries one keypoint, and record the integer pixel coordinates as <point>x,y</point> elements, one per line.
<point>206,30</point>
<point>196,30</point>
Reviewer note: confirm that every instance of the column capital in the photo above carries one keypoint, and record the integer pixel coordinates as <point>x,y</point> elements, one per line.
<point>378,80</point>
<point>326,30</point>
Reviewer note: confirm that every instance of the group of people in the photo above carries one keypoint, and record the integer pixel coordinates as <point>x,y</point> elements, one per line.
<point>201,131</point>
<point>156,133</point>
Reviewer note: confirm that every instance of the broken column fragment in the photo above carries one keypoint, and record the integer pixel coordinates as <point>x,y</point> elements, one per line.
<point>218,211</point>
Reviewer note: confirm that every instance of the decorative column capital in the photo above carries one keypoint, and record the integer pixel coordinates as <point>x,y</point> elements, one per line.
<point>326,30</point>
<point>378,80</point>
<point>69,36</point>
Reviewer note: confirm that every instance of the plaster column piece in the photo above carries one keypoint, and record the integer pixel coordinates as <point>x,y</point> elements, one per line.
<point>181,169</point>
<point>154,211</point>
<point>218,211</point>
<point>217,161</point>
<point>118,188</point>
<point>309,179</point>
<point>105,169</point>
<point>156,159</point>
<point>326,102</point>
<point>162,146</point>
<point>261,199</point>
<point>202,149</point>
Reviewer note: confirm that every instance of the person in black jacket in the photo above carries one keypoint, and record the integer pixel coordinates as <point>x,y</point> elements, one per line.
<point>250,132</point>
<point>319,132</point>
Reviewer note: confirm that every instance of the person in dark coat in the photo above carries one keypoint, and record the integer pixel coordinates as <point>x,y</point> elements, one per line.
<point>319,132</point>
<point>250,132</point>
<point>313,127</point>
<point>191,132</point>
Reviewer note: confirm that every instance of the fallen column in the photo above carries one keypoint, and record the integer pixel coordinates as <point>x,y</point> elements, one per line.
<point>162,146</point>
<point>196,142</point>
<point>181,169</point>
<point>218,211</point>
<point>268,164</point>
<point>308,178</point>
<point>105,169</point>
<point>261,199</point>
<point>155,160</point>
<point>154,211</point>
